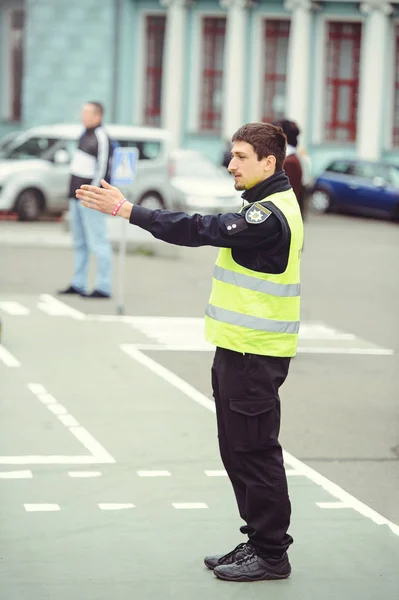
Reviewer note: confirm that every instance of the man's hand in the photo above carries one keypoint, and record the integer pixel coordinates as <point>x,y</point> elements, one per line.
<point>103,199</point>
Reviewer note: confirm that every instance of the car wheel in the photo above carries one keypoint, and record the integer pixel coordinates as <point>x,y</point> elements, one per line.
<point>320,201</point>
<point>152,200</point>
<point>29,205</point>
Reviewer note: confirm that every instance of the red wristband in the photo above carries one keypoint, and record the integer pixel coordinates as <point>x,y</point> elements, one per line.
<point>117,207</point>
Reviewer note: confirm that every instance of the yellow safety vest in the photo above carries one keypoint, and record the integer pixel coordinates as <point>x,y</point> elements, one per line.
<point>255,312</point>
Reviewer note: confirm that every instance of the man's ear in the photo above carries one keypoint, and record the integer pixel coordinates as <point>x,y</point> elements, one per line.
<point>270,163</point>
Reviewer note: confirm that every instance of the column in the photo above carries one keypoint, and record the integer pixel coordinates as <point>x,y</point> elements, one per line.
<point>371,86</point>
<point>234,87</point>
<point>172,103</point>
<point>299,64</point>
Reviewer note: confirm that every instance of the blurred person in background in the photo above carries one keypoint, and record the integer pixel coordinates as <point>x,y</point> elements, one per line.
<point>292,163</point>
<point>90,164</point>
<point>253,319</point>
<point>226,154</point>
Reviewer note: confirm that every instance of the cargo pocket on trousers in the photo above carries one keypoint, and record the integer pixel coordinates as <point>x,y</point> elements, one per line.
<point>254,423</point>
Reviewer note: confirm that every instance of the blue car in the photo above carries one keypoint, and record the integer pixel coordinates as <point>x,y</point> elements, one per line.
<point>358,186</point>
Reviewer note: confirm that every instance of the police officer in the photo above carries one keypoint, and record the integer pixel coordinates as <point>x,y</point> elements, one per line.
<point>253,319</point>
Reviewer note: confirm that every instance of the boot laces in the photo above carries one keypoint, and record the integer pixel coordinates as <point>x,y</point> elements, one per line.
<point>240,547</point>
<point>249,558</point>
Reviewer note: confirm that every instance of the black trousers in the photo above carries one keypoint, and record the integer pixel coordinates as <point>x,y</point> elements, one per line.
<point>245,388</point>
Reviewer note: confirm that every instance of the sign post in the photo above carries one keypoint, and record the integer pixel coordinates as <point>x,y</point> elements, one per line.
<point>124,166</point>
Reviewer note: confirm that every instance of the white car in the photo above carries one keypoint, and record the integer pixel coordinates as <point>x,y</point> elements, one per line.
<point>200,186</point>
<point>34,168</point>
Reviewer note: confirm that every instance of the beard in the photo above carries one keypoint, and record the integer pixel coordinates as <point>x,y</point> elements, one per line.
<point>239,187</point>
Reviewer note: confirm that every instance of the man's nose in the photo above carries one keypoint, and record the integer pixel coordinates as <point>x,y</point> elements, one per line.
<point>232,167</point>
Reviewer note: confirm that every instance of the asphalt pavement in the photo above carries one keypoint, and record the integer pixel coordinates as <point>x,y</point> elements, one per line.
<point>111,484</point>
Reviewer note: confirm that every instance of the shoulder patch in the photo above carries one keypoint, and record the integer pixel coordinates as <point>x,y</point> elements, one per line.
<point>257,213</point>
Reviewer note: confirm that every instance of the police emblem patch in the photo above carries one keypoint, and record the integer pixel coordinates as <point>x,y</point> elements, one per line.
<point>257,214</point>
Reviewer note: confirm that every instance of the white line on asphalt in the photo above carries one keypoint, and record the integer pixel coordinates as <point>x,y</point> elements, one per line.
<point>153,473</point>
<point>170,377</point>
<point>52,460</point>
<point>332,505</point>
<point>41,507</point>
<point>366,351</point>
<point>289,459</point>
<point>8,359</point>
<point>37,388</point>
<point>14,308</point>
<point>292,473</point>
<point>84,473</point>
<point>98,454</point>
<point>57,409</point>
<point>68,421</point>
<point>54,307</point>
<point>220,473</point>
<point>91,444</point>
<point>115,506</point>
<point>300,349</point>
<point>189,505</point>
<point>46,398</point>
<point>16,475</point>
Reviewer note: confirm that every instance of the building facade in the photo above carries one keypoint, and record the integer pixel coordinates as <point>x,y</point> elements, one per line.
<point>201,68</point>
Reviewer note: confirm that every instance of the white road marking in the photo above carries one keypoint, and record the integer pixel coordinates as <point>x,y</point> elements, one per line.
<point>37,388</point>
<point>220,473</point>
<point>68,421</point>
<point>153,473</point>
<point>289,459</point>
<point>98,454</point>
<point>365,351</point>
<point>84,474</point>
<point>16,475</point>
<point>45,397</point>
<point>332,505</point>
<point>54,307</point>
<point>189,505</point>
<point>168,376</point>
<point>292,473</point>
<point>7,358</point>
<point>57,409</point>
<point>32,459</point>
<point>116,506</point>
<point>42,507</point>
<point>182,334</point>
<point>14,308</point>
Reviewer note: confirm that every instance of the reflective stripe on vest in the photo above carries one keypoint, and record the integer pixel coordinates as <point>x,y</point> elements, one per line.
<point>258,323</point>
<point>257,285</point>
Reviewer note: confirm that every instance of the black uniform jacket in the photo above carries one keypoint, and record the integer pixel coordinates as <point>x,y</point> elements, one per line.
<point>262,247</point>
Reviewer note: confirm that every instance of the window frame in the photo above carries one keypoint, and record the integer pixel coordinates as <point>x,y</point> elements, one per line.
<point>335,84</point>
<point>319,89</point>
<point>286,19</point>
<point>6,98</point>
<point>195,69</point>
<point>139,87</point>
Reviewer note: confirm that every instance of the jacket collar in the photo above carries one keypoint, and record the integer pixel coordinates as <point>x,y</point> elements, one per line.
<point>278,182</point>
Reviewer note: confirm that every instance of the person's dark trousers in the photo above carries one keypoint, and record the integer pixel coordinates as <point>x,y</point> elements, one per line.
<point>245,388</point>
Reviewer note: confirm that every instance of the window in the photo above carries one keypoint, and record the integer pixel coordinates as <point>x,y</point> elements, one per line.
<point>342,80</point>
<point>14,65</point>
<point>148,149</point>
<point>395,139</point>
<point>213,40</point>
<point>276,35</point>
<point>155,35</point>
<point>35,147</point>
<point>339,166</point>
